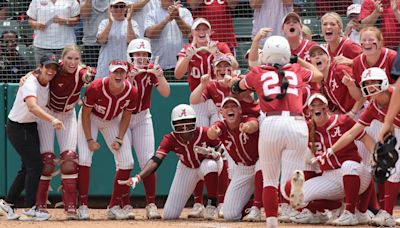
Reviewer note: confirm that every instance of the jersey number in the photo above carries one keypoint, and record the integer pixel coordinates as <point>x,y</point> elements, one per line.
<point>271,78</point>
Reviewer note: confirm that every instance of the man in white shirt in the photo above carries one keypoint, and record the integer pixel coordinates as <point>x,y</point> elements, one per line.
<point>168,28</point>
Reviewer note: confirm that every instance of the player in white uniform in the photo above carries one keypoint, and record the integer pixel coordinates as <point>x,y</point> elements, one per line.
<point>189,143</point>
<point>144,76</point>
<point>107,107</point>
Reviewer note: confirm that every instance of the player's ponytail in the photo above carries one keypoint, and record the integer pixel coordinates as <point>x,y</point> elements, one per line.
<point>284,83</point>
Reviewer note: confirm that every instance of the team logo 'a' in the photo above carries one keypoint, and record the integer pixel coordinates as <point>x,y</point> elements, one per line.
<point>141,45</point>
<point>183,113</point>
<point>337,132</point>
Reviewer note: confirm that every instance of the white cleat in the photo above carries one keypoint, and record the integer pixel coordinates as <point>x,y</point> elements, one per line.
<point>383,218</point>
<point>197,211</point>
<point>363,218</point>
<point>211,212</point>
<point>116,213</point>
<point>34,214</point>
<point>346,219</point>
<point>151,211</point>
<point>254,214</point>
<point>128,210</point>
<point>220,210</point>
<point>7,210</point>
<point>83,212</point>
<point>285,212</point>
<point>272,222</point>
<point>297,190</point>
<point>397,221</point>
<point>307,217</point>
<point>71,215</point>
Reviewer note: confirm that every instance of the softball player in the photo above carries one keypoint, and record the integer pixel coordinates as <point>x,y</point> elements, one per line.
<point>64,94</point>
<point>375,86</point>
<point>239,134</point>
<point>192,166</point>
<point>144,76</point>
<point>343,176</point>
<point>283,131</point>
<point>108,106</point>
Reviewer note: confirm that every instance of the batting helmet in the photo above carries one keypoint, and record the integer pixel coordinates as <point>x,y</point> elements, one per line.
<point>374,74</point>
<point>183,119</point>
<point>137,45</point>
<point>385,157</point>
<point>276,50</point>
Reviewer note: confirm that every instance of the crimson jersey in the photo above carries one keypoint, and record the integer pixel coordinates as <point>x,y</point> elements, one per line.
<point>327,135</point>
<point>200,63</point>
<point>303,50</point>
<point>335,90</point>
<point>218,13</point>
<point>217,93</point>
<point>347,48</point>
<point>374,111</point>
<point>385,62</point>
<point>266,82</point>
<point>106,105</point>
<point>185,151</point>
<point>144,83</point>
<point>242,147</point>
<point>389,25</point>
<point>65,89</point>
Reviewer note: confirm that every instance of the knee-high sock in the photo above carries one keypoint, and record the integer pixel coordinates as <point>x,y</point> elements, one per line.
<point>351,185</point>
<point>198,192</point>
<point>391,192</point>
<point>150,188</point>
<point>270,201</point>
<point>119,190</point>
<point>83,184</point>
<point>211,181</point>
<point>258,189</point>
<point>365,198</point>
<point>223,182</point>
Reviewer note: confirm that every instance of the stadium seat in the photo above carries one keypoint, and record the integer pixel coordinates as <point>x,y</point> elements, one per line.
<point>9,25</point>
<point>243,27</point>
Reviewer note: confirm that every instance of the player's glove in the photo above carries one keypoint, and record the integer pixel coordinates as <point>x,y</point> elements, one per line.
<point>133,181</point>
<point>385,157</point>
<point>209,152</point>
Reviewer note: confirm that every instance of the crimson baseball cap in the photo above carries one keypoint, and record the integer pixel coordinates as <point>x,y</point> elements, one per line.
<point>116,64</point>
<point>230,99</point>
<point>222,58</point>
<point>199,21</point>
<point>49,58</point>
<point>317,96</point>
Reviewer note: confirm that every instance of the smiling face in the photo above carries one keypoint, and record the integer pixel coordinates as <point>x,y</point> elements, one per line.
<point>200,34</point>
<point>221,69</point>
<point>48,72</point>
<point>331,28</point>
<point>118,77</point>
<point>292,28</point>
<point>140,59</point>
<point>319,59</point>
<point>371,42</point>
<point>231,112</point>
<point>71,60</point>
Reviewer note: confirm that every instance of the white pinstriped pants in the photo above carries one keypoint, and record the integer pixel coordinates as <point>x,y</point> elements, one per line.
<point>206,113</point>
<point>109,129</point>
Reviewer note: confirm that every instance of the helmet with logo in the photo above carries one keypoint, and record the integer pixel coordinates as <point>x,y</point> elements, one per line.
<point>374,74</point>
<point>276,50</point>
<point>137,45</point>
<point>183,119</point>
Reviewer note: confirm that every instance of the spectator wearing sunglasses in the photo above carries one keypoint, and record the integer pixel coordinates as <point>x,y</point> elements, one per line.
<point>114,35</point>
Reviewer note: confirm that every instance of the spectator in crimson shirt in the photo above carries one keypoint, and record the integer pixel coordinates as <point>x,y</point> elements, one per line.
<point>218,13</point>
<point>387,11</point>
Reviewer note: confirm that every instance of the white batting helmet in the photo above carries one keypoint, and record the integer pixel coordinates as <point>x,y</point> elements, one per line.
<point>276,50</point>
<point>374,73</point>
<point>137,45</point>
<point>183,112</point>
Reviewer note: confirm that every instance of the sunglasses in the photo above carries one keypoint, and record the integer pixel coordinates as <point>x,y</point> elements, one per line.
<point>118,6</point>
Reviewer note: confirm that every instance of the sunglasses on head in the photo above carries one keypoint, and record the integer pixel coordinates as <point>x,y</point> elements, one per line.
<point>118,6</point>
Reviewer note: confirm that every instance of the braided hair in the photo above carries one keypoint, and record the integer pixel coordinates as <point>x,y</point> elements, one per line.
<point>284,84</point>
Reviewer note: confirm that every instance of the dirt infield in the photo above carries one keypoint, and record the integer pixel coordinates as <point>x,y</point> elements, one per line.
<point>99,220</point>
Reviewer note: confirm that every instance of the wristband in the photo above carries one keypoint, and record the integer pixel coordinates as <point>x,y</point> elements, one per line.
<point>138,177</point>
<point>118,140</point>
<point>88,140</point>
<point>293,59</point>
<point>53,121</point>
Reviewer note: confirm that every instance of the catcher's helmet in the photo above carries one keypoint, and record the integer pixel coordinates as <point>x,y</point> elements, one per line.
<point>372,74</point>
<point>276,50</point>
<point>183,119</point>
<point>385,157</point>
<point>137,45</point>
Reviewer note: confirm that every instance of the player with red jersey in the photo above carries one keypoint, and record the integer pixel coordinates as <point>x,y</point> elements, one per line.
<point>144,76</point>
<point>341,49</point>
<point>64,94</point>
<point>196,59</point>
<point>343,176</point>
<point>189,143</point>
<point>239,134</point>
<point>375,85</point>
<point>108,106</point>
<point>283,131</point>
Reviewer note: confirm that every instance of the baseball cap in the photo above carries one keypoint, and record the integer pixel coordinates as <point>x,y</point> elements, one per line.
<point>291,14</point>
<point>317,96</point>
<point>199,21</point>
<point>113,2</point>
<point>318,47</point>
<point>222,58</point>
<point>230,99</point>
<point>116,64</point>
<point>354,8</point>
<point>49,58</point>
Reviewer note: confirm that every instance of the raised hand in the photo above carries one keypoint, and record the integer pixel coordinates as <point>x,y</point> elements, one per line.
<point>190,52</point>
<point>347,80</point>
<point>262,33</point>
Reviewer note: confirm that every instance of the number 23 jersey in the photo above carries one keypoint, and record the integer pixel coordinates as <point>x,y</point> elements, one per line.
<point>266,82</point>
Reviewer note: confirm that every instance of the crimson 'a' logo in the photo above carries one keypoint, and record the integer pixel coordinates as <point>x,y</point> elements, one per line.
<point>183,113</point>
<point>141,45</point>
<point>368,74</point>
